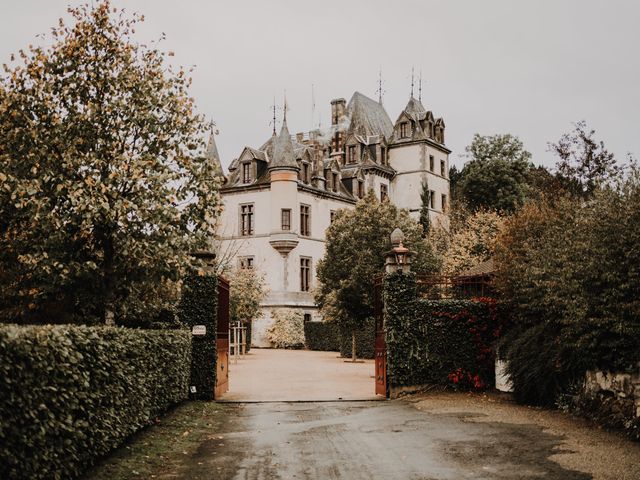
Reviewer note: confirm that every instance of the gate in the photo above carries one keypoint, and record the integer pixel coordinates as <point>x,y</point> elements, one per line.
<point>222,339</point>
<point>380,351</point>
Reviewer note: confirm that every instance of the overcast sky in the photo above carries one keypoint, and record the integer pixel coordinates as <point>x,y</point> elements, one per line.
<point>529,68</point>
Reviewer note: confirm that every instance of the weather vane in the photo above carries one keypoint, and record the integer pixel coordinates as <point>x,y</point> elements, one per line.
<point>412,82</point>
<point>420,87</point>
<point>380,92</point>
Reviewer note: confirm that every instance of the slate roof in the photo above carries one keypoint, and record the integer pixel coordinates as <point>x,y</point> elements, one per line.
<point>482,269</point>
<point>282,155</point>
<point>368,117</point>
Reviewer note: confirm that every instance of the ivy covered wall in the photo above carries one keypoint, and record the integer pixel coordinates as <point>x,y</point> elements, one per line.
<point>443,342</point>
<point>199,306</point>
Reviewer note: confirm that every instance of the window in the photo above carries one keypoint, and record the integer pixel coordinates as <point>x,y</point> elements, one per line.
<point>404,130</point>
<point>246,219</point>
<point>327,180</point>
<point>307,317</point>
<point>351,154</point>
<point>305,273</point>
<point>334,182</point>
<point>444,203</point>
<point>431,163</point>
<point>332,216</point>
<point>305,172</point>
<point>442,168</point>
<point>286,219</point>
<point>305,220</point>
<point>246,173</point>
<point>383,155</point>
<point>246,262</point>
<point>384,193</point>
<point>432,199</point>
<point>360,189</point>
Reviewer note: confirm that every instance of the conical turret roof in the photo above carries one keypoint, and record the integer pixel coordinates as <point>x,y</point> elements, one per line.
<point>212,154</point>
<point>282,155</point>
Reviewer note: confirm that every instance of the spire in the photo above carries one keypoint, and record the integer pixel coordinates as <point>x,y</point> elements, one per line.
<point>412,82</point>
<point>212,152</point>
<point>282,155</point>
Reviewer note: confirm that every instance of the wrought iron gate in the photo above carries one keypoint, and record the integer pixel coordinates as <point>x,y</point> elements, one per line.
<point>222,339</point>
<point>380,350</point>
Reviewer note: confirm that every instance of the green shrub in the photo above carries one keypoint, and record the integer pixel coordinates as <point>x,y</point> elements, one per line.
<point>365,340</point>
<point>199,306</point>
<point>323,336</point>
<point>70,394</point>
<point>287,329</point>
<point>446,342</point>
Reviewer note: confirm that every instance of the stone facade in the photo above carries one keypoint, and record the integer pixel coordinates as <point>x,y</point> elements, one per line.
<point>279,199</point>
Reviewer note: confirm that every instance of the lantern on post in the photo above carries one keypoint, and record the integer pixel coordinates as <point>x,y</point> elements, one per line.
<point>398,259</point>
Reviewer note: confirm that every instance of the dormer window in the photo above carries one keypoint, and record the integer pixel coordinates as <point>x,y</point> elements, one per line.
<point>383,155</point>
<point>305,173</point>
<point>334,182</point>
<point>360,189</point>
<point>351,154</point>
<point>404,130</point>
<point>246,173</point>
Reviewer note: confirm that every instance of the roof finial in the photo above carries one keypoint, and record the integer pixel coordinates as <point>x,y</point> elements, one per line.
<point>412,81</point>
<point>284,117</point>
<point>273,119</point>
<point>420,88</point>
<point>379,91</point>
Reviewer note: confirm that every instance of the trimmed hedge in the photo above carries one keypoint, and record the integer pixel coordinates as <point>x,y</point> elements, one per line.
<point>445,342</point>
<point>70,394</point>
<point>323,336</point>
<point>199,306</point>
<point>365,341</point>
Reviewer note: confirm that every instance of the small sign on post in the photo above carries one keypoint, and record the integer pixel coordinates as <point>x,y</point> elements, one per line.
<point>199,330</point>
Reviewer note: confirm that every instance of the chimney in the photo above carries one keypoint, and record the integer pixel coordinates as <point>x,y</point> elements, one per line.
<point>338,107</point>
<point>299,137</point>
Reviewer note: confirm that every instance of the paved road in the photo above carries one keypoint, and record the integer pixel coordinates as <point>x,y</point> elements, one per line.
<point>372,440</point>
<point>290,375</point>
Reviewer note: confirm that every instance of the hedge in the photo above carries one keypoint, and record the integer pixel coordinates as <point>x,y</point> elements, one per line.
<point>365,341</point>
<point>323,336</point>
<point>70,394</point>
<point>445,342</point>
<point>198,306</point>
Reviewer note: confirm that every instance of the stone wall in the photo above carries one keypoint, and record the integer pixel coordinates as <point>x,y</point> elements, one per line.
<point>612,399</point>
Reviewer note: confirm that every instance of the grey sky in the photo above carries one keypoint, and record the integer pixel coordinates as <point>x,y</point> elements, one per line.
<point>501,66</point>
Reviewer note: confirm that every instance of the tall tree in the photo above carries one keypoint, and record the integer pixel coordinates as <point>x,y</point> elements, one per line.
<point>104,186</point>
<point>495,176</point>
<point>357,242</point>
<point>425,199</point>
<point>584,163</point>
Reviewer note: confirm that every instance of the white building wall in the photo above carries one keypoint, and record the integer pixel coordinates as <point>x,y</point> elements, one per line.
<point>269,261</point>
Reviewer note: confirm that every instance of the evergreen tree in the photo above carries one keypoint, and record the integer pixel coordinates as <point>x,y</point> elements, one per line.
<point>425,198</point>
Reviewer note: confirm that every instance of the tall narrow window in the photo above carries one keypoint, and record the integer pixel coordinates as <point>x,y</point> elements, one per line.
<point>351,155</point>
<point>431,163</point>
<point>305,172</point>
<point>360,189</point>
<point>286,219</point>
<point>334,181</point>
<point>305,220</point>
<point>444,203</point>
<point>305,274</point>
<point>404,130</point>
<point>384,192</point>
<point>246,219</point>
<point>383,155</point>
<point>443,170</point>
<point>432,199</point>
<point>246,173</point>
<point>332,216</point>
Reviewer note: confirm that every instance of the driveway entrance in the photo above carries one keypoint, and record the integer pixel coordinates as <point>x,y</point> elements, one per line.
<point>267,375</point>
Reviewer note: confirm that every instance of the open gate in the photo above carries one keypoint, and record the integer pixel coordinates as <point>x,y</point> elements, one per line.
<point>222,339</point>
<point>380,351</point>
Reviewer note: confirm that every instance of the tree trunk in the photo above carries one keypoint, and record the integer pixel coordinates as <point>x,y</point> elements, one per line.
<point>353,346</point>
<point>108,282</point>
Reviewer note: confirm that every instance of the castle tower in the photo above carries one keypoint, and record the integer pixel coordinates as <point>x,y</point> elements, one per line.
<point>283,173</point>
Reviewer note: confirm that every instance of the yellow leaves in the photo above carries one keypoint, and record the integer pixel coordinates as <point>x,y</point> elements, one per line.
<point>3,177</point>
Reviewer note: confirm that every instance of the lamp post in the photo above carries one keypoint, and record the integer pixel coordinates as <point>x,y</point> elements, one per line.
<point>398,259</point>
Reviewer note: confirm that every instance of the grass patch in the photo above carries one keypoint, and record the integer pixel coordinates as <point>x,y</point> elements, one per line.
<point>164,449</point>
